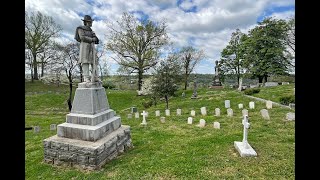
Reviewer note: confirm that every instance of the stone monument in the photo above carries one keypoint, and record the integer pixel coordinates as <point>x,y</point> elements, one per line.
<point>244,147</point>
<point>92,134</point>
<point>216,83</point>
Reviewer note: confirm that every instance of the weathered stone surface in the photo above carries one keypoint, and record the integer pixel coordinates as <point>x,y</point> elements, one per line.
<point>87,119</point>
<point>245,112</point>
<point>203,111</point>
<point>251,105</point>
<point>86,132</point>
<point>86,154</point>
<point>240,106</point>
<point>216,125</point>
<point>162,119</point>
<point>265,114</point>
<point>190,120</point>
<point>90,101</point>
<point>167,112</point>
<point>227,103</point>
<point>269,104</point>
<point>157,113</point>
<point>229,112</point>
<point>193,113</point>
<point>53,127</point>
<point>290,116</point>
<point>243,151</point>
<point>217,112</point>
<point>178,112</point>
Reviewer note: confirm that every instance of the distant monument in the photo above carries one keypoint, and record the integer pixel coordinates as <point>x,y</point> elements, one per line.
<point>216,80</point>
<point>92,134</point>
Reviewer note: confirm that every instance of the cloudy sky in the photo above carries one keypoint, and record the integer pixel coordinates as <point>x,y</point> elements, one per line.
<point>203,24</point>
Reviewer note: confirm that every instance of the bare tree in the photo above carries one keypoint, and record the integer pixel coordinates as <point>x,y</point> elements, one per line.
<point>189,58</point>
<point>102,63</point>
<point>39,29</point>
<point>136,44</point>
<point>69,56</point>
<point>45,56</point>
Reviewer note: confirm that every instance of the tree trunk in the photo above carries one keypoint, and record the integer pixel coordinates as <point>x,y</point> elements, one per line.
<point>260,79</point>
<point>42,69</point>
<point>35,67</point>
<point>167,100</point>
<point>31,69</point>
<point>185,82</point>
<point>238,78</point>
<point>265,78</point>
<point>140,79</point>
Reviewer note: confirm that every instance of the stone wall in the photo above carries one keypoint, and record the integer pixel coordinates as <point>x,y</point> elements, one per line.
<point>86,154</point>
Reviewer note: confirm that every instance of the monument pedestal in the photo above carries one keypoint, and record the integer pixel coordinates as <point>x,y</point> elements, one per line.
<point>243,151</point>
<point>92,134</point>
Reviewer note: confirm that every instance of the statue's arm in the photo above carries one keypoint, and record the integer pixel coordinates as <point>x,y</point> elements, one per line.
<point>83,37</point>
<point>97,40</point>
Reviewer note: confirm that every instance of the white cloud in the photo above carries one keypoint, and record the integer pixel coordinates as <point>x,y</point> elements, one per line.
<point>210,27</point>
<point>283,15</point>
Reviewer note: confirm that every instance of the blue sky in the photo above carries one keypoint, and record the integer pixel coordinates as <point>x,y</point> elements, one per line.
<point>204,24</point>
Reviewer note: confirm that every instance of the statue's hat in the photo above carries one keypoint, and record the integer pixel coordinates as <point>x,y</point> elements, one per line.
<point>87,18</point>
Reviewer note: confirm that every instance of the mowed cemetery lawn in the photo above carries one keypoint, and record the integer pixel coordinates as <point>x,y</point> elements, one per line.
<point>274,93</point>
<point>174,149</point>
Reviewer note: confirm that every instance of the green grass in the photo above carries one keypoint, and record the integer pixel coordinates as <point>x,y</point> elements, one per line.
<point>173,150</point>
<point>274,93</point>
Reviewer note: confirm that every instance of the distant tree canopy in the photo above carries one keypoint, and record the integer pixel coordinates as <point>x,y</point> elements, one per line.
<point>39,30</point>
<point>232,56</point>
<point>261,53</point>
<point>137,44</point>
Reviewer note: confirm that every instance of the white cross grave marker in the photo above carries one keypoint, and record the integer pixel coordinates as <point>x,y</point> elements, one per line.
<point>144,114</point>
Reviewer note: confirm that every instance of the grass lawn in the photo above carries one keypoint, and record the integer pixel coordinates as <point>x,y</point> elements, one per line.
<point>274,93</point>
<point>173,150</point>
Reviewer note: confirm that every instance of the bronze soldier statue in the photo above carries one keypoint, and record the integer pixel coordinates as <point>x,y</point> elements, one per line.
<point>87,55</point>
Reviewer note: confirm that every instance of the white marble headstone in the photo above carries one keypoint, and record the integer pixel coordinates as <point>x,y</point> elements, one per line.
<point>129,116</point>
<point>216,125</point>
<point>290,116</point>
<point>36,129</point>
<point>167,112</point>
<point>157,113</point>
<point>202,123</point>
<point>203,111</point>
<point>265,114</point>
<point>189,120</point>
<point>245,112</point>
<point>162,119</point>
<point>240,106</point>
<point>136,115</point>
<point>178,112</point>
<point>227,103</point>
<point>269,104</point>
<point>193,113</point>
<point>229,112</point>
<point>217,112</point>
<point>53,127</point>
<point>251,105</point>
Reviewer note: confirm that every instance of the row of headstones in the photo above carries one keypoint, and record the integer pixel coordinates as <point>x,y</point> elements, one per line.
<point>37,129</point>
<point>264,113</point>
<point>202,122</point>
